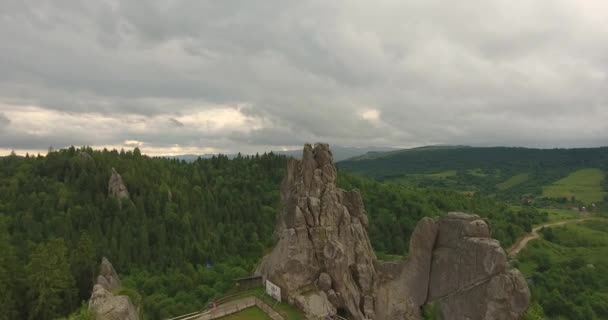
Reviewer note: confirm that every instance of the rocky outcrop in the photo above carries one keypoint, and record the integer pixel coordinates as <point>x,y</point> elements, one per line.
<point>324,262</point>
<point>84,156</point>
<point>104,303</point>
<point>323,253</point>
<point>108,278</point>
<point>117,188</point>
<point>470,278</point>
<point>403,286</point>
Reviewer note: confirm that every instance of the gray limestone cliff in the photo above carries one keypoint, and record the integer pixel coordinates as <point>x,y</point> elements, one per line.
<point>324,262</point>
<point>104,303</point>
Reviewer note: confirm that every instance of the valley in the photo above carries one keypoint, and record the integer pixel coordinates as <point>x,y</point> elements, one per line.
<point>560,255</point>
<point>180,232</point>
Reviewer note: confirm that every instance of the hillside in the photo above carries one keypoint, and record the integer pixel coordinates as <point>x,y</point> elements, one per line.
<point>182,232</point>
<point>504,172</point>
<point>567,270</point>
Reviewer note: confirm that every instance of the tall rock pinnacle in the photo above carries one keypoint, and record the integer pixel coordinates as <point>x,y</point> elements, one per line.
<point>324,262</point>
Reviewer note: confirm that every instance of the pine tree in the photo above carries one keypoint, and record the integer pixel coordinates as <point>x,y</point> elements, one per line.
<point>8,266</point>
<point>84,265</point>
<point>50,283</point>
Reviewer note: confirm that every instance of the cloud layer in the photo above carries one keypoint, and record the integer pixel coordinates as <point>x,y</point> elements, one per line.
<point>225,76</point>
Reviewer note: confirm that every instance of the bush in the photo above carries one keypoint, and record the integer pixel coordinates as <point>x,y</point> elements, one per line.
<point>82,314</point>
<point>431,312</point>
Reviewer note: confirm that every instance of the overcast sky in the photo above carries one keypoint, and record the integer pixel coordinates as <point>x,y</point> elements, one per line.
<point>176,77</point>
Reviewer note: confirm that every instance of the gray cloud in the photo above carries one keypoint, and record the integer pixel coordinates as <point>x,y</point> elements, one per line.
<point>175,122</point>
<point>480,72</point>
<point>4,121</point>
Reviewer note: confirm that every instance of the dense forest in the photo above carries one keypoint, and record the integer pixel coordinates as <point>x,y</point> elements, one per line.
<point>187,230</point>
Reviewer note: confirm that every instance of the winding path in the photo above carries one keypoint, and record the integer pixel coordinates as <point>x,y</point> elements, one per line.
<point>523,242</point>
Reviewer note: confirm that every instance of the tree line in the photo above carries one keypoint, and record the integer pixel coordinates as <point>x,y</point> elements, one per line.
<point>187,230</point>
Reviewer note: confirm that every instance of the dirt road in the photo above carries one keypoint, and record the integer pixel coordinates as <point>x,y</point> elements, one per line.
<point>523,242</point>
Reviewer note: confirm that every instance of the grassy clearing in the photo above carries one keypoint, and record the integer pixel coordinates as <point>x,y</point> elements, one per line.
<point>554,215</point>
<point>477,172</point>
<point>584,185</point>
<point>588,240</point>
<point>561,214</point>
<point>252,313</point>
<point>513,181</point>
<point>442,174</point>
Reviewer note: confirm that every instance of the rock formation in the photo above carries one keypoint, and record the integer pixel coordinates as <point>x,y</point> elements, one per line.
<point>116,187</point>
<point>108,278</point>
<point>324,262</point>
<point>104,304</point>
<point>470,278</point>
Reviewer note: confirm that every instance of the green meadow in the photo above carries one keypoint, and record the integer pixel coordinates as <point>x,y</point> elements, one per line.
<point>555,215</point>
<point>513,181</point>
<point>584,185</point>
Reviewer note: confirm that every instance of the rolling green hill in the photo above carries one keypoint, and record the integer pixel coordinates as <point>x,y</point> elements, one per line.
<point>503,172</point>
<point>583,184</point>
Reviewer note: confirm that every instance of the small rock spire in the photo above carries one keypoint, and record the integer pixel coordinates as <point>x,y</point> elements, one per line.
<point>116,187</point>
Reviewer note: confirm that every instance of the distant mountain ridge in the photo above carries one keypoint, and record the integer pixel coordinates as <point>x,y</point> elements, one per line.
<point>340,153</point>
<point>438,158</point>
<point>379,153</point>
<point>514,174</point>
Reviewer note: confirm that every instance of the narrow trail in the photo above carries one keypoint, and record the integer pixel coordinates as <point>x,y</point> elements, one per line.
<point>523,242</point>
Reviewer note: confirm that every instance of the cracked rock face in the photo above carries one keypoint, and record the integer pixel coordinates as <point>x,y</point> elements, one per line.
<point>116,188</point>
<point>469,276</point>
<point>104,303</point>
<point>324,262</point>
<point>323,254</point>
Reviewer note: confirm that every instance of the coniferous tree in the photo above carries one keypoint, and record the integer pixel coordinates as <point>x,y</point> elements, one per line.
<point>8,270</point>
<point>50,282</point>
<point>83,265</point>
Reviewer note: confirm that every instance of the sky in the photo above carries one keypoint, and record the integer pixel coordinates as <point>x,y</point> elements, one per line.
<point>198,76</point>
